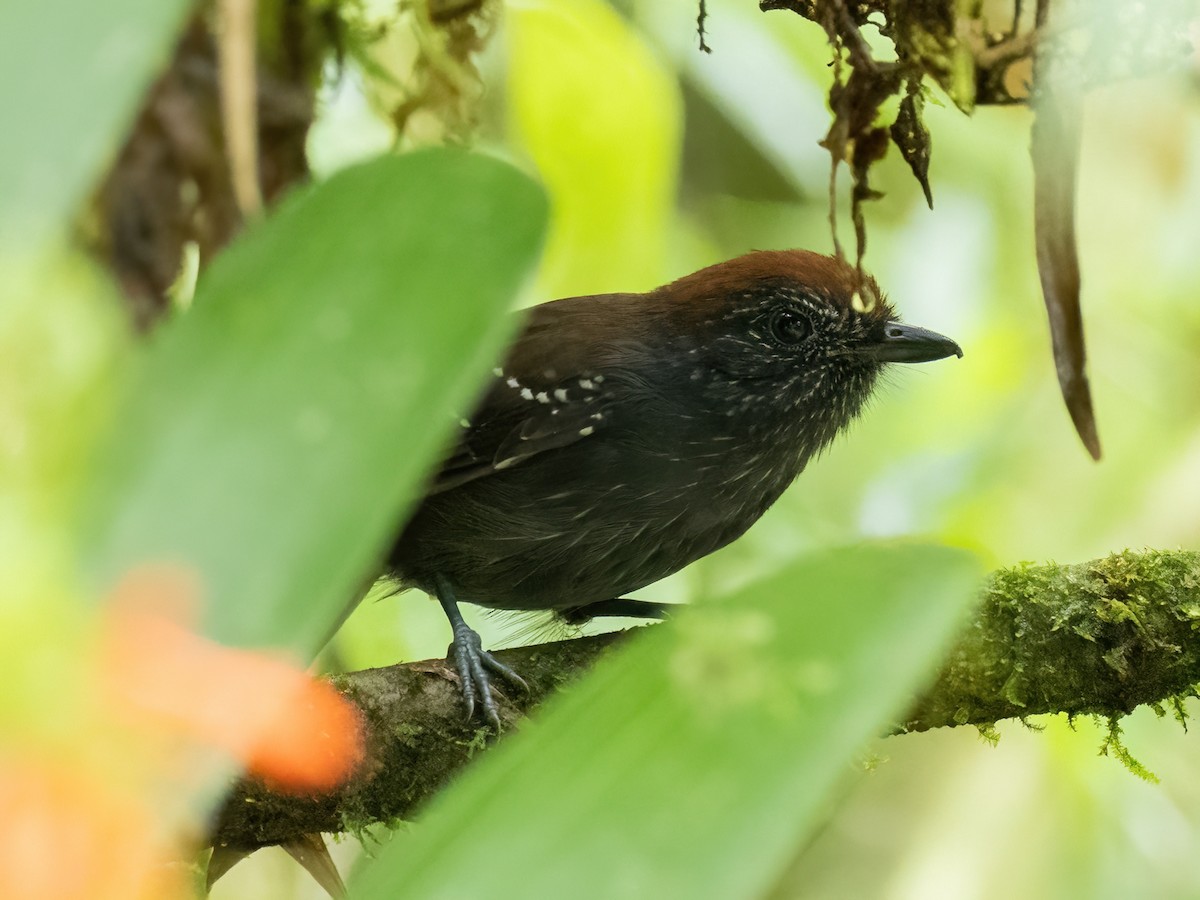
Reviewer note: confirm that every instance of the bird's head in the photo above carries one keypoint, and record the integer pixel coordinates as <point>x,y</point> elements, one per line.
<point>788,340</point>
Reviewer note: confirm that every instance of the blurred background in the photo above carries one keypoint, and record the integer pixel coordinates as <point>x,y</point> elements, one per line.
<point>660,159</point>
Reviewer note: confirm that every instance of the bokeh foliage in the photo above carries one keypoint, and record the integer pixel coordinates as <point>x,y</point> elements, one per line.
<point>979,455</point>
<point>975,454</point>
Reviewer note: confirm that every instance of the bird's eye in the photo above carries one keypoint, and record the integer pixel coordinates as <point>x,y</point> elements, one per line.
<point>790,326</point>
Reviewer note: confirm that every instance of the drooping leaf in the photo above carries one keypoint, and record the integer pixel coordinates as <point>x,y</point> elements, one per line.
<point>276,431</point>
<point>1058,118</point>
<point>912,138</point>
<point>693,762</point>
<point>312,853</point>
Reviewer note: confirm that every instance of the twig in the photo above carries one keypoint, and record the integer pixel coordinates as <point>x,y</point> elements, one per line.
<point>239,100</point>
<point>701,19</point>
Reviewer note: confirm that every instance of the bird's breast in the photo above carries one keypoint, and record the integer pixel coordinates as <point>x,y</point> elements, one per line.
<point>594,520</point>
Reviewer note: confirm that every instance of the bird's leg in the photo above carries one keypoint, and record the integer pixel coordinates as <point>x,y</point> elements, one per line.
<point>471,661</point>
<point>618,606</point>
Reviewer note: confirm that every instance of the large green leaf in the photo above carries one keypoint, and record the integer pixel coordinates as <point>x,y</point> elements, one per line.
<point>277,430</point>
<point>70,76</point>
<point>692,763</point>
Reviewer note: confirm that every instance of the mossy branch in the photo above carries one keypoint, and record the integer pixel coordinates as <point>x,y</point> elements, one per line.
<point>1101,637</point>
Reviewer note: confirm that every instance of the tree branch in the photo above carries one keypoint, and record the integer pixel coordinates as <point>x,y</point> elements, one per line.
<point>1101,637</point>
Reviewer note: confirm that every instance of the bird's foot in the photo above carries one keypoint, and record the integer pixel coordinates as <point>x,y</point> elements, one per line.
<point>473,664</point>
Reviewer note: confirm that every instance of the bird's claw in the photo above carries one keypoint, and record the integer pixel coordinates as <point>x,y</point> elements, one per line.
<point>473,664</point>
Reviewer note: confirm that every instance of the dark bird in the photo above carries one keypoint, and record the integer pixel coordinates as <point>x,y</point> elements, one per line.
<point>627,435</point>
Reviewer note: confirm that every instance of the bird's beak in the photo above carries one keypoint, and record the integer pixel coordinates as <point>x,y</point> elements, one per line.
<point>909,344</point>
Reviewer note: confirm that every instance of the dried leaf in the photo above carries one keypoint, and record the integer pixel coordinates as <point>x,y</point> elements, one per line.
<point>310,851</point>
<point>912,139</point>
<point>1055,150</point>
<point>869,148</point>
<point>854,138</point>
<point>221,861</point>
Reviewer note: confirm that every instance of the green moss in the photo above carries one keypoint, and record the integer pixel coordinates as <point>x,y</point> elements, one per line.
<point>480,740</point>
<point>407,734</point>
<point>1099,638</point>
<point>989,732</point>
<point>1114,747</point>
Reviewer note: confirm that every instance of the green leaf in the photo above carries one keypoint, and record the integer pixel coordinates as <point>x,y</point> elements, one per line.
<point>694,762</point>
<point>278,429</point>
<point>71,75</point>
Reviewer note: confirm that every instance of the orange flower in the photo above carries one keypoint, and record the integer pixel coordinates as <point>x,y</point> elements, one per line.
<point>296,732</point>
<point>104,805</point>
<point>66,835</point>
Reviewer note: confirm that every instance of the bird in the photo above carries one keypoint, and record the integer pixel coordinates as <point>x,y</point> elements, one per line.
<point>627,435</point>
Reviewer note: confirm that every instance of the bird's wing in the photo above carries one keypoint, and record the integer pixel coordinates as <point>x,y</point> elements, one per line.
<point>549,393</point>
<point>516,423</point>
